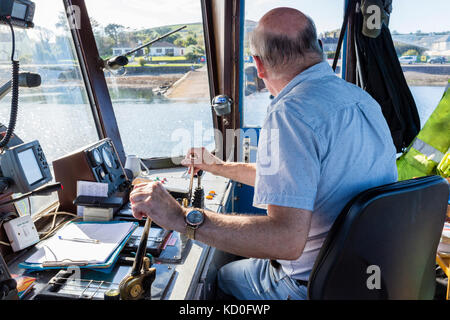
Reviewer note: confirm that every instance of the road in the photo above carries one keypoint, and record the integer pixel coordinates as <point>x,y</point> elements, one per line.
<point>193,85</point>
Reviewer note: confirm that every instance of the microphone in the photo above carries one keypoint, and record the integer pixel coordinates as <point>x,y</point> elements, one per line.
<point>29,79</point>
<point>26,79</point>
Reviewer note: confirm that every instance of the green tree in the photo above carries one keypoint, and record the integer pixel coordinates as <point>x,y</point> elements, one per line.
<point>193,53</point>
<point>180,43</point>
<point>113,30</point>
<point>162,30</point>
<point>191,41</point>
<point>411,52</point>
<point>142,61</point>
<point>172,38</point>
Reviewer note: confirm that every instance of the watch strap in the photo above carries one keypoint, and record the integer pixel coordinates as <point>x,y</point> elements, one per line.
<point>190,231</point>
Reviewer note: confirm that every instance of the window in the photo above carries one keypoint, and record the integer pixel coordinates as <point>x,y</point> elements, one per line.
<point>327,16</point>
<point>161,100</point>
<point>57,113</point>
<point>421,35</point>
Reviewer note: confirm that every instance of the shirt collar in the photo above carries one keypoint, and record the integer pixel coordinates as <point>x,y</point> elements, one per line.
<point>317,71</point>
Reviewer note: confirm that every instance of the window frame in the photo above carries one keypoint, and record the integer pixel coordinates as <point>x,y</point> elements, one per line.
<point>95,81</point>
<point>92,70</point>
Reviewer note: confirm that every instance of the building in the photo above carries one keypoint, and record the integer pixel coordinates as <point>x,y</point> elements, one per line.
<point>118,51</point>
<point>329,44</point>
<point>163,48</point>
<point>442,44</point>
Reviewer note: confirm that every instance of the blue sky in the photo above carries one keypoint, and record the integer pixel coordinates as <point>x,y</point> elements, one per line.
<point>408,15</point>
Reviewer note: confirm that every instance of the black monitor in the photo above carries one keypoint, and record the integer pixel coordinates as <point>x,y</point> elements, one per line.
<point>26,165</point>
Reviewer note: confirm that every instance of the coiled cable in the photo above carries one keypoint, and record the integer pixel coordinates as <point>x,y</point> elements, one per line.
<point>14,94</point>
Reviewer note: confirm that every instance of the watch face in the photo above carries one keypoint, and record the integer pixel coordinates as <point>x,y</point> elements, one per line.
<point>195,218</point>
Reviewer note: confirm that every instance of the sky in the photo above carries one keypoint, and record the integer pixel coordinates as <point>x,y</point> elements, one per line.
<point>408,15</point>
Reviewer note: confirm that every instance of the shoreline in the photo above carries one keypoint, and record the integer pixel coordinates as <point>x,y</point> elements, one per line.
<point>417,79</point>
<point>169,82</point>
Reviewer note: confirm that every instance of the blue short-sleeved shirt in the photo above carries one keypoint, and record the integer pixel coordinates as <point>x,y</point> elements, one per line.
<point>323,141</point>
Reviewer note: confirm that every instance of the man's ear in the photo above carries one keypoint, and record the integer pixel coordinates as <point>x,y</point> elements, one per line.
<point>262,72</point>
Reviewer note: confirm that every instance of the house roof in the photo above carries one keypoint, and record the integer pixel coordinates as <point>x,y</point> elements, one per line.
<point>164,44</point>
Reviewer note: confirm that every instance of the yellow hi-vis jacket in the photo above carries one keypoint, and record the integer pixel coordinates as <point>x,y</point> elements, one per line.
<point>429,153</point>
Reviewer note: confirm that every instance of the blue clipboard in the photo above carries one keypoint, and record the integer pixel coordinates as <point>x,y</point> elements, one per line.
<point>102,267</point>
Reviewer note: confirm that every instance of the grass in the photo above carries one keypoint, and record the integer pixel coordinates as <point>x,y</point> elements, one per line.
<point>167,58</point>
<point>167,65</point>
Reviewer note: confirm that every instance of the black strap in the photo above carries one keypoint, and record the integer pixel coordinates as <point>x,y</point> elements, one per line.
<point>350,8</point>
<point>277,265</point>
<point>302,283</point>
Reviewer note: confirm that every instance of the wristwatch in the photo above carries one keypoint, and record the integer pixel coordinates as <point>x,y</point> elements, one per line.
<point>194,219</point>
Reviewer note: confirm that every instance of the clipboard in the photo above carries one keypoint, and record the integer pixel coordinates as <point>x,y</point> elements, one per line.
<point>105,267</point>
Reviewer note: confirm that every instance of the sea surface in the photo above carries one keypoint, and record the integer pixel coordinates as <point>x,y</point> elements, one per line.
<point>148,129</point>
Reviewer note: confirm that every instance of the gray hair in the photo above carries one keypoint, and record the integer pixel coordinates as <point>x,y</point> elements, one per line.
<point>283,54</point>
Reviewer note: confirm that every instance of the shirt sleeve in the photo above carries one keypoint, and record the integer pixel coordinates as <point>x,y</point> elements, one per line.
<point>288,163</point>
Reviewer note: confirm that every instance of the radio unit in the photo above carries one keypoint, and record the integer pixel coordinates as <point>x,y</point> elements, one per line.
<point>21,12</point>
<point>97,162</point>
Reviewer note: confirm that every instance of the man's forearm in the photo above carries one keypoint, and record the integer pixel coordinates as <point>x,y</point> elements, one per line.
<point>241,172</point>
<point>281,234</point>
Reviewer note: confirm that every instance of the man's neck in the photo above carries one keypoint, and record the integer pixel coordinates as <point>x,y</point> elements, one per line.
<point>278,84</point>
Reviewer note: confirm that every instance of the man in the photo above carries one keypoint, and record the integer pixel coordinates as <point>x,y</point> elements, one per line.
<point>327,140</point>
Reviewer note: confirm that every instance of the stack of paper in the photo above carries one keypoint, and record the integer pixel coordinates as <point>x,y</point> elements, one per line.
<point>83,243</point>
<point>24,284</point>
<point>88,188</point>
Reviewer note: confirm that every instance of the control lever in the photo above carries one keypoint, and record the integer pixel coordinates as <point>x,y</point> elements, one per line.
<point>192,156</point>
<point>199,194</point>
<point>137,285</point>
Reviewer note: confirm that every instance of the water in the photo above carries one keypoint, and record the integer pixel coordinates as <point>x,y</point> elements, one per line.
<point>426,98</point>
<point>164,128</point>
<point>148,128</point>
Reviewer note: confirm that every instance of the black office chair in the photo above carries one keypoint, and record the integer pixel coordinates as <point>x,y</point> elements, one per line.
<point>395,228</point>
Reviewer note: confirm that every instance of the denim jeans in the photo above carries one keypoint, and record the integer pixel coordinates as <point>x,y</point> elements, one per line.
<point>257,279</point>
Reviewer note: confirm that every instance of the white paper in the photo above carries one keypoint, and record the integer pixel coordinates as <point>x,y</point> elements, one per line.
<point>109,235</point>
<point>88,188</point>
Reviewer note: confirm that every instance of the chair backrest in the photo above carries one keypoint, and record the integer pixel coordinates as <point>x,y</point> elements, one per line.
<point>383,244</point>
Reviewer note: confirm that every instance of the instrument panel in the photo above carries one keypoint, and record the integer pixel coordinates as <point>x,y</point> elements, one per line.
<point>105,165</point>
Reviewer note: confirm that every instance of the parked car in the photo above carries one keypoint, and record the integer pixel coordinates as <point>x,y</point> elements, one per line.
<point>408,59</point>
<point>437,60</point>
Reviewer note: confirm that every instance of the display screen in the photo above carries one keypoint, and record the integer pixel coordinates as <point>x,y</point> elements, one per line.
<point>19,11</point>
<point>30,166</point>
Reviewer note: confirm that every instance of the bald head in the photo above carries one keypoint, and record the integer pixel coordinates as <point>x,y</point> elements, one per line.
<point>283,21</point>
<point>286,41</point>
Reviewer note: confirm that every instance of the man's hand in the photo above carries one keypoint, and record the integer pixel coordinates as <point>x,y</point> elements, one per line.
<point>154,201</point>
<point>201,159</point>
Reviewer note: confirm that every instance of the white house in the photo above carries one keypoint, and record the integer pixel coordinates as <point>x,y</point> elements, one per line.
<point>121,51</point>
<point>163,48</point>
<point>442,44</point>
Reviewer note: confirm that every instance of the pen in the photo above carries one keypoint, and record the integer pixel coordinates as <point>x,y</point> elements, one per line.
<point>79,240</point>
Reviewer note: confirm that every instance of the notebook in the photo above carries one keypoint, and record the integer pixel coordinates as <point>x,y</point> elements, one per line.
<point>82,243</point>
